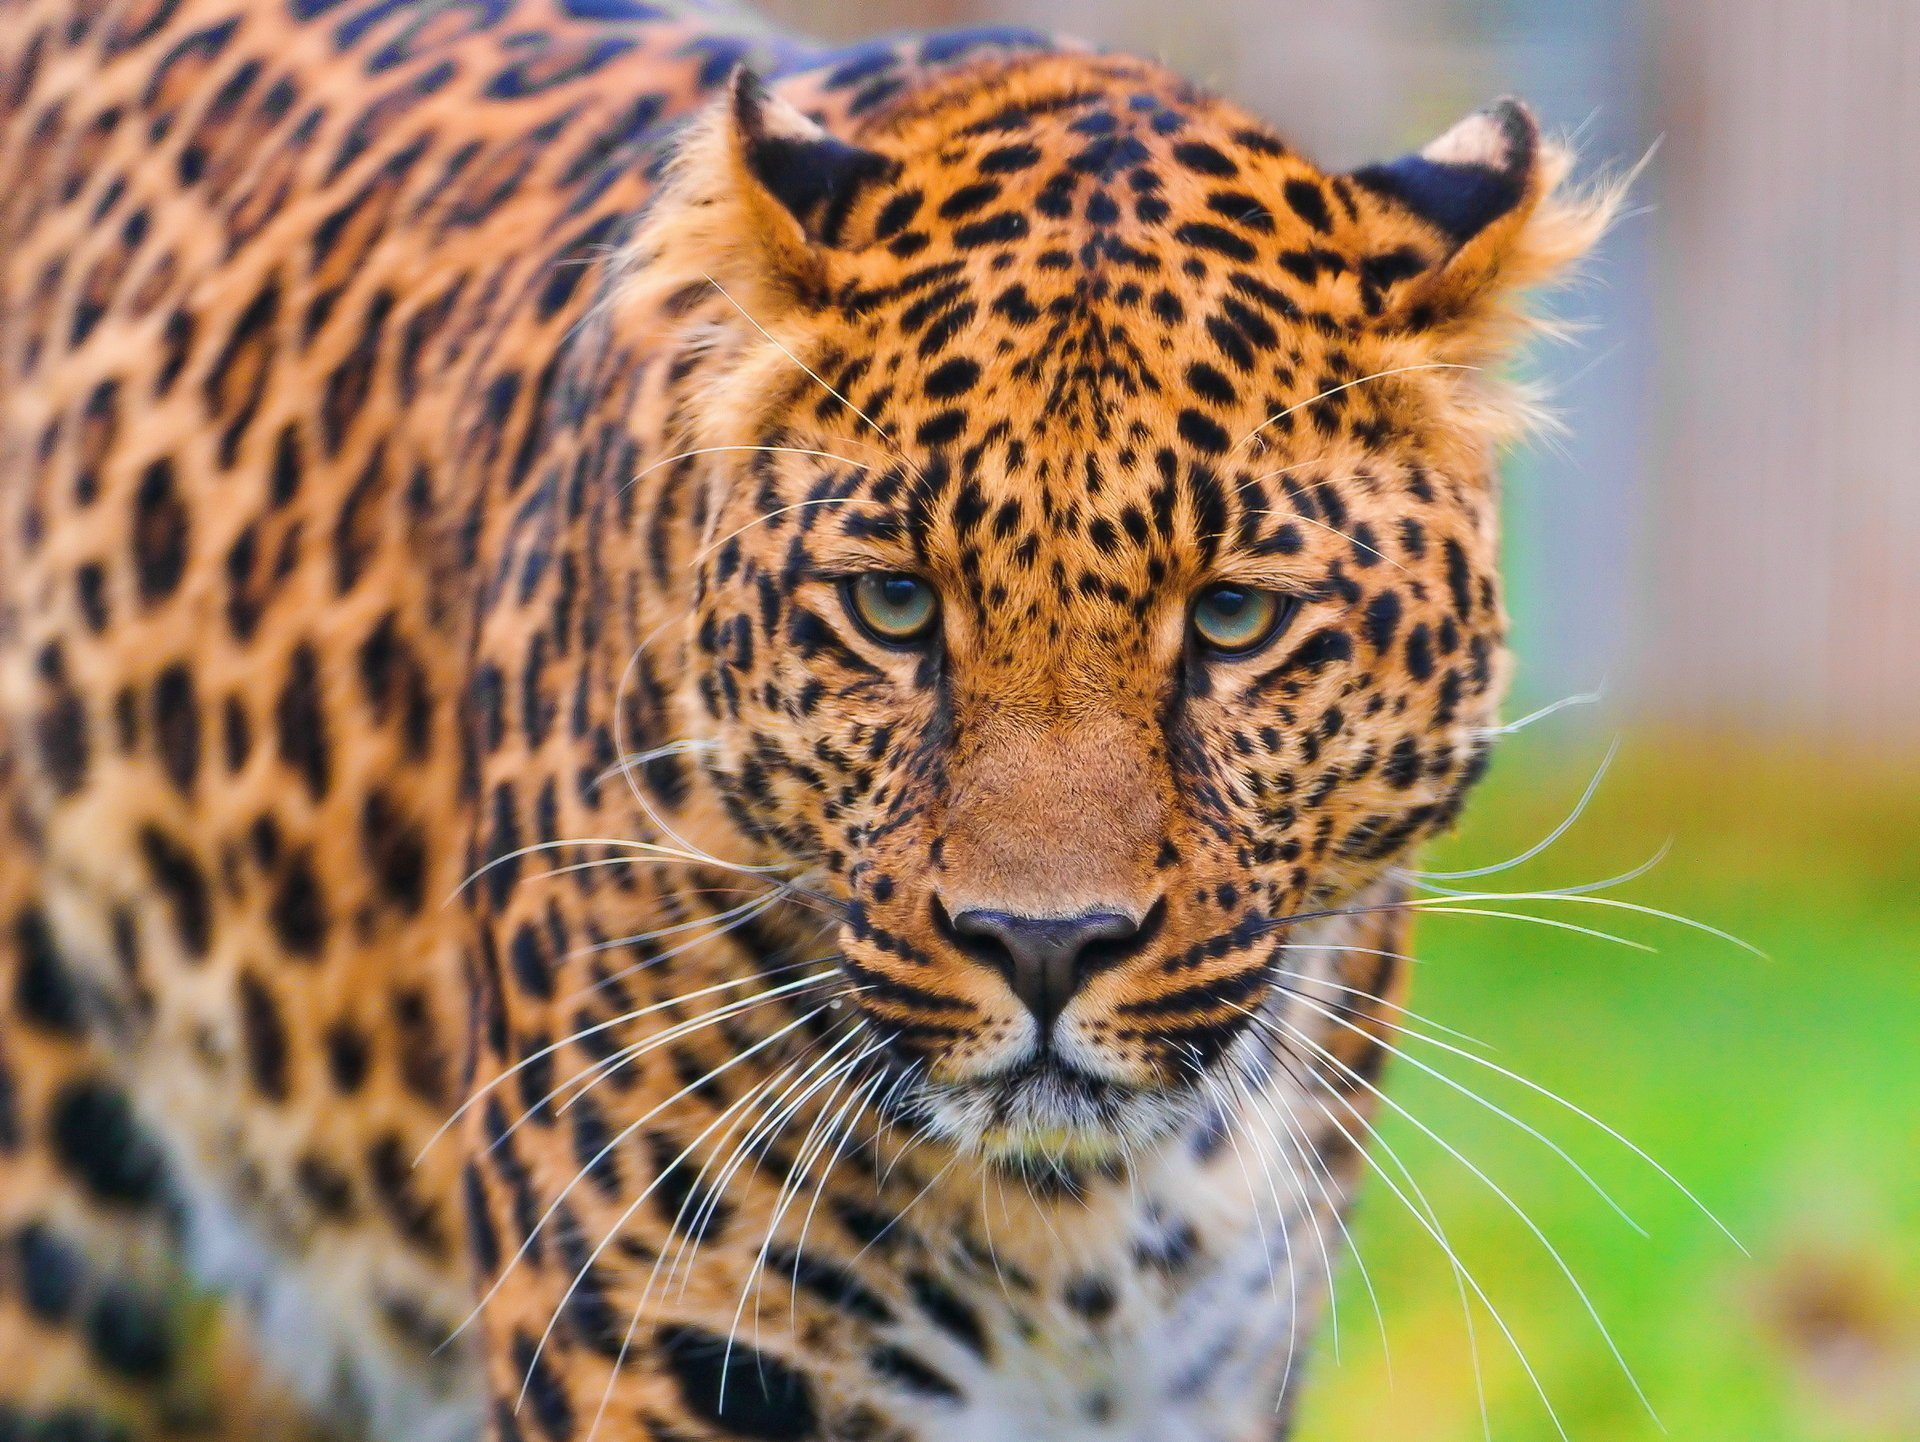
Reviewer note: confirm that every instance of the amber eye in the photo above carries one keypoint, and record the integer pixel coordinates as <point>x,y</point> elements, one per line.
<point>1232,620</point>
<point>894,608</point>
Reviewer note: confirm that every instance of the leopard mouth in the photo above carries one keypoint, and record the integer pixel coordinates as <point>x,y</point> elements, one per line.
<point>1045,1109</point>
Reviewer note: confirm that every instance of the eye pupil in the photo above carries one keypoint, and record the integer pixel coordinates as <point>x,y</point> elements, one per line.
<point>1229,601</point>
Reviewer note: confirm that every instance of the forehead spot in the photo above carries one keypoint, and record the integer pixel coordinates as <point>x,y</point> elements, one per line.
<point>1206,159</point>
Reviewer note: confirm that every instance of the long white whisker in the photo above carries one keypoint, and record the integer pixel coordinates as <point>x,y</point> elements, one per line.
<point>713,546</point>
<point>657,753</point>
<point>811,373</point>
<point>742,910</point>
<point>659,822</point>
<point>1227,1120</point>
<point>1432,1229</point>
<point>820,1188</point>
<point>648,470</point>
<point>1301,1145</point>
<point>1607,883</point>
<point>759,1137</point>
<point>617,843</point>
<point>1579,808</point>
<point>1532,1226</point>
<point>1445,903</point>
<point>1584,1115</point>
<point>589,1077</point>
<point>1552,708</point>
<point>1448,904</point>
<point>594,1256</point>
<point>1404,1010</point>
<point>1353,541</point>
<point>809,1148</point>
<point>1279,416</point>
<point>1473,1096</point>
<point>626,1056</point>
<point>486,1089</point>
<point>639,1307</point>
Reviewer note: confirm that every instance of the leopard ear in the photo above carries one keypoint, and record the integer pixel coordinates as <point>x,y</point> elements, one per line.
<point>1476,180</point>
<point>756,196</point>
<point>1491,192</point>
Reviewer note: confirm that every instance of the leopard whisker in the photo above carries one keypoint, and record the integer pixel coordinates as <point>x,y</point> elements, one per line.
<point>1472,1095</point>
<point>1293,1282</point>
<point>1281,415</point>
<point>815,377</point>
<point>626,1341</point>
<point>639,1307</point>
<point>607,1150</point>
<point>1257,1101</point>
<point>1586,1116</point>
<point>1566,825</point>
<point>1274,923</point>
<point>1444,903</point>
<point>693,1234</point>
<point>920,1136</point>
<point>1632,873</point>
<point>1301,1145</point>
<point>687,455</point>
<point>689,1230</point>
<point>606,1240</point>
<point>1353,541</point>
<point>1428,1219</point>
<point>1252,481</point>
<point>836,1078</point>
<point>809,1148</point>
<point>1230,1115</point>
<point>731,917</point>
<point>924,1135</point>
<point>658,753</point>
<point>588,1077</point>
<point>986,1234</point>
<point>713,546</point>
<point>482,1092</point>
<point>645,848</point>
<point>860,1099</point>
<point>628,1055</point>
<point>1606,1336</point>
<point>752,1146</point>
<point>1366,995</point>
<point>692,944</point>
<point>722,924</point>
<point>659,822</point>
<point>815,901</point>
<point>1552,708</point>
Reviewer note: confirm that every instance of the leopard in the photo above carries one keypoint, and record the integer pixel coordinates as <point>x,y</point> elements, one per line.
<point>709,736</point>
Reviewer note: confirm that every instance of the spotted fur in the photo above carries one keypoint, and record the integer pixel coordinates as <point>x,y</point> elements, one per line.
<point>436,440</point>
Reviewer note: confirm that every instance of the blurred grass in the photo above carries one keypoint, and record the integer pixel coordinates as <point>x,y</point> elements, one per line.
<point>1784,1092</point>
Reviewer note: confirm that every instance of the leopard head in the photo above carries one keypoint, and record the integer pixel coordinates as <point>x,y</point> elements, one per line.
<point>1097,575</point>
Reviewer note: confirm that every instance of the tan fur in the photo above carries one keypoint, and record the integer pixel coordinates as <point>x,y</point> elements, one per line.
<point>468,839</point>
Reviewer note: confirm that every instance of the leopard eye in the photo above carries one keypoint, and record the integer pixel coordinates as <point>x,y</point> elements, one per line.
<point>892,607</point>
<point>1234,620</point>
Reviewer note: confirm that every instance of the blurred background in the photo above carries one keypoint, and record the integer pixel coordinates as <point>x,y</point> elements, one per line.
<point>1726,545</point>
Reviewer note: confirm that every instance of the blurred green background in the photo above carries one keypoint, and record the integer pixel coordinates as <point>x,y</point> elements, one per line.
<point>1726,544</point>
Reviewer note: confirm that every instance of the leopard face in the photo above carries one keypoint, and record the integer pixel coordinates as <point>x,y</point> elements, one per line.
<point>1098,572</point>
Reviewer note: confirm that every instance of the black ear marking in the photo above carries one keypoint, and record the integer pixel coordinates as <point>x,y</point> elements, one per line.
<point>1470,177</point>
<point>814,175</point>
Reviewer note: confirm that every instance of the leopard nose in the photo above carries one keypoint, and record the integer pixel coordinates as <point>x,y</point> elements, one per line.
<point>1046,959</point>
